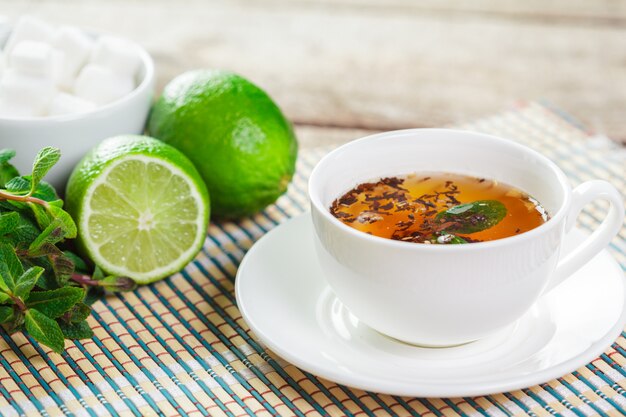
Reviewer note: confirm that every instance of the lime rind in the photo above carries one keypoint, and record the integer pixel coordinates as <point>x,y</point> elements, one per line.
<point>241,143</point>
<point>143,217</point>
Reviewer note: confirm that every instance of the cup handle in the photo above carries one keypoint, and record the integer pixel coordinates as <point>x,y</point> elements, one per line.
<point>600,238</point>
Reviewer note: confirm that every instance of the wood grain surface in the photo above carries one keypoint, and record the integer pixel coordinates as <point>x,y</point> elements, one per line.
<point>341,68</point>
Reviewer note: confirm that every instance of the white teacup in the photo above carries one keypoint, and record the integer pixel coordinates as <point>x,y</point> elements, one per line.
<point>442,295</point>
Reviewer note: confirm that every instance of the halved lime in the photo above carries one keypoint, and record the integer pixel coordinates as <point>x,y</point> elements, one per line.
<point>141,207</point>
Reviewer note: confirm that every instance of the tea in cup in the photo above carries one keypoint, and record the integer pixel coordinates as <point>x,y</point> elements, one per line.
<point>434,263</point>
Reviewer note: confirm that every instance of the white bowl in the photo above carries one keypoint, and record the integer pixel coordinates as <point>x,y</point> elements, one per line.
<point>76,134</point>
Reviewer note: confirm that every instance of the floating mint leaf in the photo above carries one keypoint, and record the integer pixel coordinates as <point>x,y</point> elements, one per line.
<point>56,302</point>
<point>8,222</point>
<point>45,159</point>
<point>6,313</point>
<point>44,330</point>
<point>4,297</point>
<point>76,330</point>
<point>10,268</point>
<point>27,281</point>
<point>472,217</point>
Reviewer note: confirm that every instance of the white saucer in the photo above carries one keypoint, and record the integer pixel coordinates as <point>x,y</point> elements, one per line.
<point>282,295</point>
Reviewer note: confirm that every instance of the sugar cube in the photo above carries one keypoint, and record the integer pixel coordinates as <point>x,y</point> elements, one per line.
<point>116,54</point>
<point>64,103</point>
<point>29,28</point>
<point>76,48</point>
<point>102,85</point>
<point>35,58</point>
<point>26,91</point>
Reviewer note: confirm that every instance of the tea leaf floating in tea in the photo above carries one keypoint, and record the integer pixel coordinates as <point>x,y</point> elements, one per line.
<point>472,217</point>
<point>438,208</point>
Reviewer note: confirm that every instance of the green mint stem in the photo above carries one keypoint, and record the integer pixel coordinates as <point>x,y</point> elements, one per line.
<point>23,198</point>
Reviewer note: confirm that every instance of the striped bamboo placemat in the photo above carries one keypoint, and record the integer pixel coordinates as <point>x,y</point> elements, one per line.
<point>180,347</point>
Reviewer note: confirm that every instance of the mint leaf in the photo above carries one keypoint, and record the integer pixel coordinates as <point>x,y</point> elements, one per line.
<point>6,155</point>
<point>46,192</point>
<point>472,217</point>
<point>18,185</point>
<point>10,268</point>
<point>98,273</point>
<point>6,313</point>
<point>65,221</point>
<point>11,205</point>
<point>41,215</point>
<point>45,249</point>
<point>62,226</point>
<point>50,235</point>
<point>78,313</point>
<point>59,267</point>
<point>8,222</point>
<point>26,231</point>
<point>26,281</point>
<point>94,294</point>
<point>44,330</point>
<point>39,289</point>
<point>45,159</point>
<point>16,323</point>
<point>76,330</point>
<point>62,266</point>
<point>7,173</point>
<point>56,302</point>
<point>79,263</point>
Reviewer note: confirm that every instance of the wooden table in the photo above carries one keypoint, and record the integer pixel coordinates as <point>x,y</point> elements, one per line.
<point>343,68</point>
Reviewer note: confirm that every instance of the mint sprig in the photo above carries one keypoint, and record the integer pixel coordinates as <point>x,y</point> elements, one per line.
<point>45,288</point>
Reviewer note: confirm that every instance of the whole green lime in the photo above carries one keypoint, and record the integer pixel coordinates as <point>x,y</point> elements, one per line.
<point>141,208</point>
<point>234,133</point>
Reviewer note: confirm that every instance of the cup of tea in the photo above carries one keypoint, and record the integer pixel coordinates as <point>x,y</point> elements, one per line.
<point>412,259</point>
